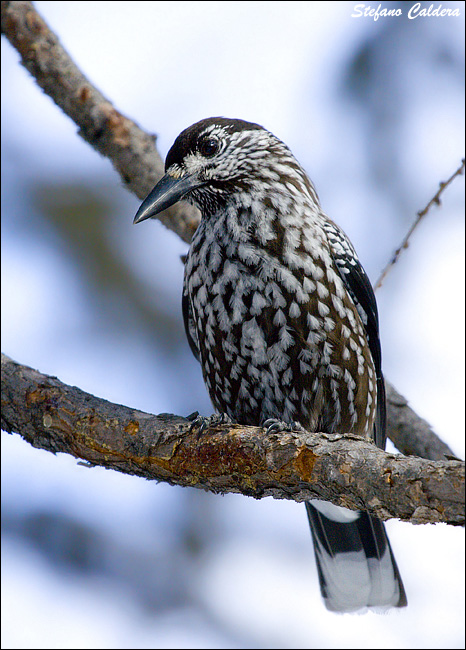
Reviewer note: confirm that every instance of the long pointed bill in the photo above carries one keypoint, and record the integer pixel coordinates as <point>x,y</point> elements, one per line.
<point>168,191</point>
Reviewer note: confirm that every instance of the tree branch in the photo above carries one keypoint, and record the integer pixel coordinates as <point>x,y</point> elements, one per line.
<point>344,469</point>
<point>410,434</point>
<point>435,200</point>
<point>131,150</point>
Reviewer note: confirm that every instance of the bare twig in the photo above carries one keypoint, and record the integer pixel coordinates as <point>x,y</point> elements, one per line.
<point>131,150</point>
<point>422,213</point>
<point>344,469</point>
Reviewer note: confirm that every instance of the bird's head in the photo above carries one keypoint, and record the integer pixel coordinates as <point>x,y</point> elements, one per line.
<point>216,158</point>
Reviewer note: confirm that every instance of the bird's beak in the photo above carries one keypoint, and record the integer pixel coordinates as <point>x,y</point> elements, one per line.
<point>168,191</point>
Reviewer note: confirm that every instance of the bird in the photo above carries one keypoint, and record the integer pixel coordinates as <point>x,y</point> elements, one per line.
<point>283,320</point>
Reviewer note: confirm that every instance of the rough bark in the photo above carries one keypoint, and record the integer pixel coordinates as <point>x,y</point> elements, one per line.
<point>343,469</point>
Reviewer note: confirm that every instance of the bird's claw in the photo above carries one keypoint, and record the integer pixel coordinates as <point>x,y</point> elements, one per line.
<point>272,425</point>
<point>202,422</point>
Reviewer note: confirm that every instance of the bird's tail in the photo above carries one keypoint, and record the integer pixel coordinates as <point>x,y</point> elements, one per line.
<point>356,566</point>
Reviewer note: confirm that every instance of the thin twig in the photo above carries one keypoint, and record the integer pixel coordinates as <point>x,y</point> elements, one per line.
<point>405,243</point>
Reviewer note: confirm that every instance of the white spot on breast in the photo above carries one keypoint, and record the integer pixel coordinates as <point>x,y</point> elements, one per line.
<point>237,305</point>
<point>258,303</point>
<point>277,296</point>
<point>304,367</point>
<point>286,338</point>
<point>334,371</point>
<point>279,319</point>
<point>327,351</point>
<point>314,338</point>
<point>339,306</point>
<point>201,296</point>
<point>349,379</point>
<point>287,377</point>
<point>345,331</point>
<point>313,322</point>
<point>322,309</point>
<point>329,324</point>
<point>317,273</point>
<point>322,290</point>
<point>278,357</point>
<point>308,285</point>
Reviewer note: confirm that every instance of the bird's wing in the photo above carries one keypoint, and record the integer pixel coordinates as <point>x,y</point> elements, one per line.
<point>360,289</point>
<point>189,323</point>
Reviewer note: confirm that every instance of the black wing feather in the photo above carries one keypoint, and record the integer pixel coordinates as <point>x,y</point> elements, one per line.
<point>360,289</point>
<point>189,324</point>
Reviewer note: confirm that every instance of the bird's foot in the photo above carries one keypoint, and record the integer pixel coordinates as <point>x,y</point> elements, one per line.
<point>273,425</point>
<point>202,422</point>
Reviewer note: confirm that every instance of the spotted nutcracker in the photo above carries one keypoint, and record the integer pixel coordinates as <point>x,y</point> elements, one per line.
<point>283,319</point>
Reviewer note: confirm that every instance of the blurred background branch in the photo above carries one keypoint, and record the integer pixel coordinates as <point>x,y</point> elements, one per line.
<point>435,200</point>
<point>131,150</point>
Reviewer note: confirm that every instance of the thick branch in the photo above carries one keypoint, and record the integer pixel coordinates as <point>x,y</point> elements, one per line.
<point>346,470</point>
<point>129,148</point>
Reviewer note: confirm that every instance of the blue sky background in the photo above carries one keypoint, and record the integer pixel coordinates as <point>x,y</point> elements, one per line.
<point>374,110</point>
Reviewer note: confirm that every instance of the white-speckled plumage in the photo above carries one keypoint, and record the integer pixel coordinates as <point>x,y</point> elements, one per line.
<point>283,320</point>
<point>267,250</point>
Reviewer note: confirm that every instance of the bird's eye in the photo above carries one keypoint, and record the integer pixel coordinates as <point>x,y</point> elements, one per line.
<point>209,147</point>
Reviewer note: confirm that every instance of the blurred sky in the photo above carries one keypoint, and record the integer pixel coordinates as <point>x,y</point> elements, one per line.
<point>374,110</point>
